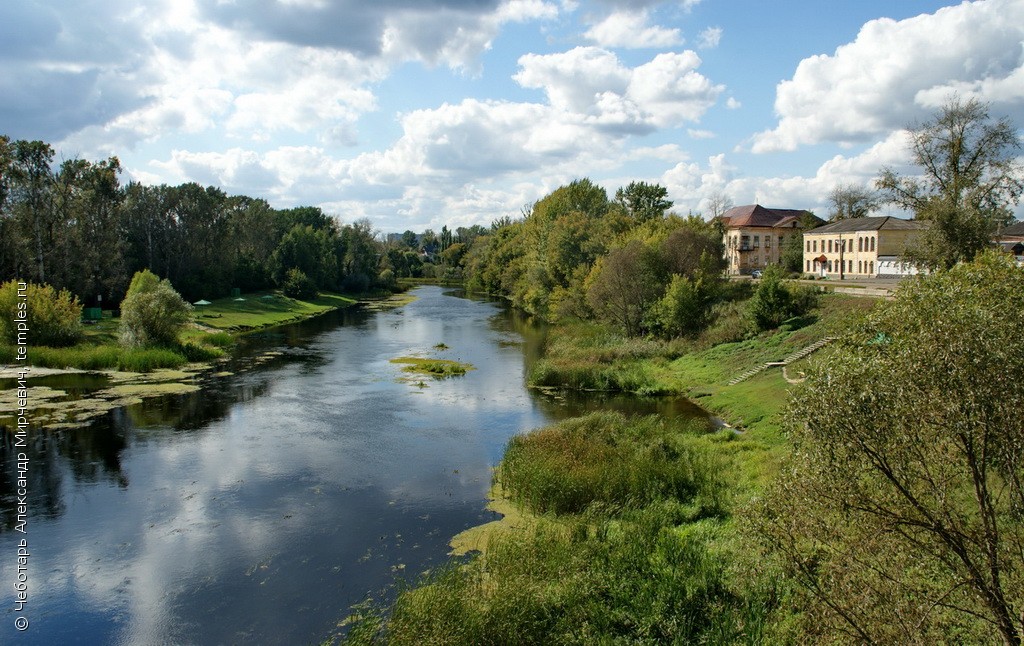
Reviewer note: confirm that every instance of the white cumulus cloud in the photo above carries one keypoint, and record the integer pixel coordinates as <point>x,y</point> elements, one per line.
<point>630,29</point>
<point>896,72</point>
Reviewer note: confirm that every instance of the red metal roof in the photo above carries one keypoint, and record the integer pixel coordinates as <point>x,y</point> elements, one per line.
<point>755,215</point>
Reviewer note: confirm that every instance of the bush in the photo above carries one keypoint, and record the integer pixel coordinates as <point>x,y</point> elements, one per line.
<point>298,285</point>
<point>772,302</point>
<point>53,318</point>
<point>152,313</point>
<point>685,309</point>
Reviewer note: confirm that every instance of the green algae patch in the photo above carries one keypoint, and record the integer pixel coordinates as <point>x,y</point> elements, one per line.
<point>436,368</point>
<point>389,303</point>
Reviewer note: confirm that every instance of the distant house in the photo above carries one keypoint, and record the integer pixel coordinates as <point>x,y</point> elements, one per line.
<point>754,236</point>
<point>861,247</point>
<point>1011,240</point>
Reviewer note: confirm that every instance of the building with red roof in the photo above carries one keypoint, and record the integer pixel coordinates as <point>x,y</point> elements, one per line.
<point>754,235</point>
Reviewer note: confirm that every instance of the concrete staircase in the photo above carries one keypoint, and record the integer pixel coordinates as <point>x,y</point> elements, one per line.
<point>796,356</point>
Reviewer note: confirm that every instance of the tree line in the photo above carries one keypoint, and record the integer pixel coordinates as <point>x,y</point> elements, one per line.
<point>75,226</point>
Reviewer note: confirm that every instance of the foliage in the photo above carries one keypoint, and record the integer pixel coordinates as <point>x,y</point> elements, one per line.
<point>309,252</point>
<point>771,303</point>
<point>53,317</point>
<point>73,225</point>
<point>685,309</point>
<point>792,254</point>
<point>901,510</point>
<point>298,285</point>
<point>643,201</point>
<point>971,178</point>
<point>152,312</point>
<point>624,285</point>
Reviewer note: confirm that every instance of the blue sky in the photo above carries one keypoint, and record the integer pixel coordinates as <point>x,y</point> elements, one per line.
<point>418,113</point>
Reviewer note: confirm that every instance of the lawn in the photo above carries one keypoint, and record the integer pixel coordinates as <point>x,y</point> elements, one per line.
<point>264,309</point>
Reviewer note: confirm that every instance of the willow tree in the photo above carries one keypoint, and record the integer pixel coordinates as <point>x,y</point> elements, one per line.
<point>901,511</point>
<point>970,178</point>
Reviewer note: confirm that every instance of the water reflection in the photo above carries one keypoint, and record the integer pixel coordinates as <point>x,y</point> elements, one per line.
<point>262,507</point>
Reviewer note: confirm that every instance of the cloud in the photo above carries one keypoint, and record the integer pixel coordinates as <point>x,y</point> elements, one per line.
<point>709,38</point>
<point>450,31</point>
<point>691,184</point>
<point>62,68</point>
<point>592,83</point>
<point>896,72</point>
<point>629,29</point>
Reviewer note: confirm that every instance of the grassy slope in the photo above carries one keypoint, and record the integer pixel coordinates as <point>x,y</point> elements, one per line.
<point>264,309</point>
<point>99,348</point>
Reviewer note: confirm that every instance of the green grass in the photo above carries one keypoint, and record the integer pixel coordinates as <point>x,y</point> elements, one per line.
<point>603,459</point>
<point>100,348</point>
<point>438,368</point>
<point>264,309</point>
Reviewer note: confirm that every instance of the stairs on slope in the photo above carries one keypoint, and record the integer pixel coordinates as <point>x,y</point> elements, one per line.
<point>796,356</point>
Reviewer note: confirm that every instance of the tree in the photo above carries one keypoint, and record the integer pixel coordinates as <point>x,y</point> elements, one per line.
<point>153,312</point>
<point>685,309</point>
<point>644,201</point>
<point>718,204</point>
<point>686,247</point>
<point>971,178</point>
<point>31,188</point>
<point>901,511</point>
<point>848,201</point>
<point>771,303</point>
<point>624,285</point>
<point>53,317</point>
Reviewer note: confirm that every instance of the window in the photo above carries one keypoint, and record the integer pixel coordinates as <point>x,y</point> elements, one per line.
<point>871,265</point>
<point>807,265</point>
<point>757,242</point>
<point>860,266</point>
<point>830,247</point>
<point>767,242</point>
<point>849,265</point>
<point>872,247</point>
<point>815,246</point>
<point>745,243</point>
<point>860,244</point>
<point>829,266</point>
<point>808,245</point>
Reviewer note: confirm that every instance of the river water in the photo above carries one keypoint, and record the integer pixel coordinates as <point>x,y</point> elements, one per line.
<point>259,509</point>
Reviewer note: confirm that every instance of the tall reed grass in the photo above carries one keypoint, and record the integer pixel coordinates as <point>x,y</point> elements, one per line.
<point>606,459</point>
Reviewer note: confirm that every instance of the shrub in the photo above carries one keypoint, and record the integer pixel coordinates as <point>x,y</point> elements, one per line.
<point>152,313</point>
<point>772,302</point>
<point>53,318</point>
<point>298,285</point>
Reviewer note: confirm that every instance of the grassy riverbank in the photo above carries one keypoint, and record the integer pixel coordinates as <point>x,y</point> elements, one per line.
<point>621,529</point>
<point>214,331</point>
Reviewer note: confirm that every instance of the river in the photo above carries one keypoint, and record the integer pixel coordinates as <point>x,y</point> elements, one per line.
<point>259,509</point>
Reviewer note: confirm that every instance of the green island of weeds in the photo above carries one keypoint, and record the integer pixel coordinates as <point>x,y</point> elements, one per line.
<point>437,368</point>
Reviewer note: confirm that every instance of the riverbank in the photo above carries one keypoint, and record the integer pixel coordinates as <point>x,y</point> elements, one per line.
<point>581,555</point>
<point>116,377</point>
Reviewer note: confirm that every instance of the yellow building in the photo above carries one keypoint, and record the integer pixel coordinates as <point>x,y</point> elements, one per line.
<point>860,248</point>
<point>754,236</point>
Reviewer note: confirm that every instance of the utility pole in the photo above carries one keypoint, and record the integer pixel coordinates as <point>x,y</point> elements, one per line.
<point>842,266</point>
